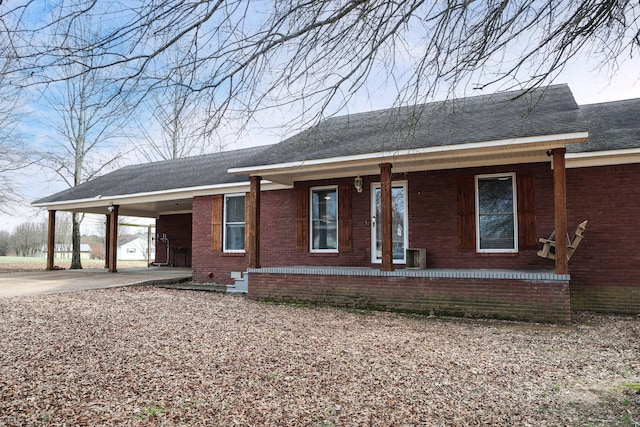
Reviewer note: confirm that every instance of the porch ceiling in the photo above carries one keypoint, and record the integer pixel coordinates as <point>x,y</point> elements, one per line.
<point>135,208</point>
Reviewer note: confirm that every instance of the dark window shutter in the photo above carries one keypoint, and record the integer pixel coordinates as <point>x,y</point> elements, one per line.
<point>302,219</point>
<point>247,210</point>
<point>466,213</point>
<point>527,238</point>
<point>216,222</point>
<point>344,219</point>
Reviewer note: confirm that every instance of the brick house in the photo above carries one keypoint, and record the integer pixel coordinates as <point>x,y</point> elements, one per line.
<point>435,208</point>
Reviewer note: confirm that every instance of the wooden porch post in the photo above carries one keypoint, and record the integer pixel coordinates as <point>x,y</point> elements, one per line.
<point>254,222</point>
<point>560,209</point>
<point>387,217</point>
<point>51,239</point>
<point>107,240</point>
<point>113,240</point>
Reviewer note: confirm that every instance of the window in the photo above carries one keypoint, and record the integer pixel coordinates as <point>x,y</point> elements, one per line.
<point>234,215</point>
<point>324,219</point>
<point>496,213</point>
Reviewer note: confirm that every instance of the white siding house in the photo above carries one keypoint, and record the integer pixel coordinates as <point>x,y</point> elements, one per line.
<point>133,248</point>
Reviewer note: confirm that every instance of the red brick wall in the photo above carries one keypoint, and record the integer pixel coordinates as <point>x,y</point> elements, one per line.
<point>211,266</point>
<point>536,301</point>
<point>433,223</point>
<point>178,231</point>
<point>605,269</point>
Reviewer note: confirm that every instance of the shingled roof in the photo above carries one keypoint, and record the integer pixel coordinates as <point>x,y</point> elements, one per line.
<point>514,114</point>
<point>190,172</point>
<point>612,126</point>
<point>550,110</point>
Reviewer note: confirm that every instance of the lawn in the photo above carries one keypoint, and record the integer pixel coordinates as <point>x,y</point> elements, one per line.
<point>15,263</point>
<point>149,356</point>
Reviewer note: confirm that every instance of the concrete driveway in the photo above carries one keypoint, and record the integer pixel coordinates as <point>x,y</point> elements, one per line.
<point>57,281</point>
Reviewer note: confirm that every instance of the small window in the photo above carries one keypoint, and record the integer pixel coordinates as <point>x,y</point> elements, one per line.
<point>324,219</point>
<point>496,213</point>
<point>234,215</point>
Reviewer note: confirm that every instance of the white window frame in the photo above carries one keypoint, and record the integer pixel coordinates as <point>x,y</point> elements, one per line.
<point>224,222</point>
<point>373,237</point>
<point>511,175</point>
<point>311,190</point>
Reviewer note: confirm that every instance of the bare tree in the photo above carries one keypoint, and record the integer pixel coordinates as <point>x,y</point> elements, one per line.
<point>64,234</point>
<point>172,126</point>
<point>5,242</point>
<point>29,238</point>
<point>14,153</point>
<point>86,124</point>
<point>313,56</point>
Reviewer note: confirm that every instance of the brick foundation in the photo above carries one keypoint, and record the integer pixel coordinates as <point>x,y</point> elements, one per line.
<point>477,294</point>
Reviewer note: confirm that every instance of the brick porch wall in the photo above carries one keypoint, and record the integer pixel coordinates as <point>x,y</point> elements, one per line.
<point>477,297</point>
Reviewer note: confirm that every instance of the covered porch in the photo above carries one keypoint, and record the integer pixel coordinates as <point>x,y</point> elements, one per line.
<point>517,294</point>
<point>548,149</point>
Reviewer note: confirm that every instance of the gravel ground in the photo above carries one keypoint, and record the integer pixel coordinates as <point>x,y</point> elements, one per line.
<point>149,356</point>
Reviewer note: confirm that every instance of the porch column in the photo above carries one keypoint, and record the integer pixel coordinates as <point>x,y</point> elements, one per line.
<point>387,217</point>
<point>113,239</point>
<point>107,240</point>
<point>51,239</point>
<point>254,222</point>
<point>560,209</point>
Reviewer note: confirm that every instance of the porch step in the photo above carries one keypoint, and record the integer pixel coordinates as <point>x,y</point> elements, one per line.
<point>241,285</point>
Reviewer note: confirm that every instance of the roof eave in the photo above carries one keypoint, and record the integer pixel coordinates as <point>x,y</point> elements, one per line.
<point>517,150</point>
<point>603,158</point>
<point>140,200</point>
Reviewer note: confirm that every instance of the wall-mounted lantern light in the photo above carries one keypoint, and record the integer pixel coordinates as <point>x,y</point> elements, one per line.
<point>358,184</point>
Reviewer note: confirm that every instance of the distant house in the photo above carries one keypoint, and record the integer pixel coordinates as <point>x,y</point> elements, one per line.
<point>133,248</point>
<point>338,213</point>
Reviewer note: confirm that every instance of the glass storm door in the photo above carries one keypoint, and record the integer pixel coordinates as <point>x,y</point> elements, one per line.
<point>399,233</point>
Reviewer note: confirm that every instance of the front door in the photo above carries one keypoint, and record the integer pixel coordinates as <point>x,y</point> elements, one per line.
<point>400,235</point>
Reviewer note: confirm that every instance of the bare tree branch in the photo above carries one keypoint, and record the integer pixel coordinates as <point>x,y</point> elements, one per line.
<point>313,56</point>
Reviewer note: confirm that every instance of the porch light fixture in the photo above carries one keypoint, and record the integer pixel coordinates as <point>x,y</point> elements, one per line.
<point>110,208</point>
<point>358,184</point>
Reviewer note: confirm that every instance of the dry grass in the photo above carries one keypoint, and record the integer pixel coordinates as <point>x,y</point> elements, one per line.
<point>148,356</point>
<point>17,264</point>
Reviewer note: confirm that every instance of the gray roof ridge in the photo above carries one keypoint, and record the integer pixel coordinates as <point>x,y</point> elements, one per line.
<point>502,95</point>
<point>614,102</point>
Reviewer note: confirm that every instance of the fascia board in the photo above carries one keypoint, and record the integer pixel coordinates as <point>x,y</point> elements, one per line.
<point>509,144</point>
<point>158,196</point>
<point>603,158</point>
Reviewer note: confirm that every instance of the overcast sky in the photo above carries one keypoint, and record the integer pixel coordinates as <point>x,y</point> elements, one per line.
<point>588,86</point>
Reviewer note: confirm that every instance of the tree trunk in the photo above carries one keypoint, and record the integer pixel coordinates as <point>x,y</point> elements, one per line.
<point>76,264</point>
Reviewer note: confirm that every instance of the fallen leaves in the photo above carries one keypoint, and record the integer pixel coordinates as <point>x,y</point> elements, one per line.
<point>148,356</point>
